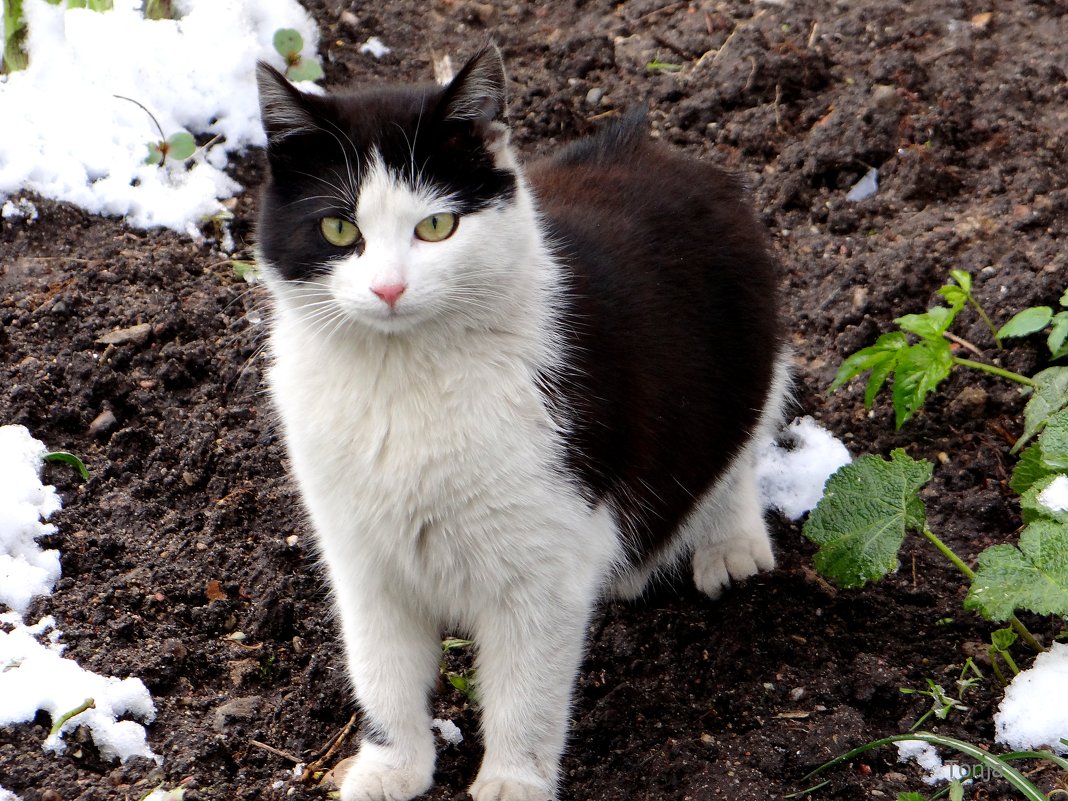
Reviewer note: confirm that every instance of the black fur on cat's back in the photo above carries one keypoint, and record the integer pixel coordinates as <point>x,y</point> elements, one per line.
<point>672,327</point>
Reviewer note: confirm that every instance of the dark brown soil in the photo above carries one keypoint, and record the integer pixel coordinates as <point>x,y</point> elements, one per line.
<point>963,107</point>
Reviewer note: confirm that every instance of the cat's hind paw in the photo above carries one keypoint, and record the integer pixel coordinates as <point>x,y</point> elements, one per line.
<point>509,790</point>
<point>368,782</point>
<point>716,565</point>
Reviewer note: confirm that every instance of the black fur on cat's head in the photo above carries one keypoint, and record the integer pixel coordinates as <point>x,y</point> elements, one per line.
<point>451,137</point>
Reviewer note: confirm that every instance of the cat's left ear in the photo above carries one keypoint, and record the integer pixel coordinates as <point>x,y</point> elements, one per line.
<point>477,95</point>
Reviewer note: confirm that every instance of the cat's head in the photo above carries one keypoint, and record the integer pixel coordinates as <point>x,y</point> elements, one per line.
<point>390,207</point>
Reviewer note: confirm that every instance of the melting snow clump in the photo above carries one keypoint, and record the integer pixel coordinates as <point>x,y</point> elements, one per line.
<point>25,569</point>
<point>375,47</point>
<point>68,136</point>
<point>33,673</point>
<point>1034,712</point>
<point>449,731</point>
<point>926,756</point>
<point>791,476</point>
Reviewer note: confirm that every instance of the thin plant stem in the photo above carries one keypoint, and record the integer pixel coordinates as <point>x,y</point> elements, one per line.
<point>87,704</point>
<point>949,554</point>
<point>1014,621</point>
<point>986,319</point>
<point>993,653</point>
<point>1026,635</point>
<point>998,371</point>
<point>1010,662</point>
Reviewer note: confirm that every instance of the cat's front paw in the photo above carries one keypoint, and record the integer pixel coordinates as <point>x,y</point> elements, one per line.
<point>364,779</point>
<point>715,566</point>
<point>509,790</point>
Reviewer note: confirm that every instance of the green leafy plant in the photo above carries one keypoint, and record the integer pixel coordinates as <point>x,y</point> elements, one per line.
<point>14,37</point>
<point>59,722</point>
<point>289,44</point>
<point>870,505</point>
<point>159,9</point>
<point>919,356</point>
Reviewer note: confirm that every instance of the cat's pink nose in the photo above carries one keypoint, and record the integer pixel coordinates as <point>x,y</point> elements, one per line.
<point>389,292</point>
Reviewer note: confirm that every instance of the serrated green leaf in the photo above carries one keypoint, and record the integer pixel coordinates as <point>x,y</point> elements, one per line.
<point>1050,397</point>
<point>1058,335</point>
<point>884,351</point>
<point>182,145</point>
<point>879,374</point>
<point>1054,442</point>
<point>1026,322</point>
<point>929,325</point>
<point>861,520</point>
<point>155,155</point>
<point>1029,469</point>
<point>1033,510</point>
<point>964,278</point>
<point>920,370</point>
<point>288,42</point>
<point>304,69</point>
<point>1032,576</point>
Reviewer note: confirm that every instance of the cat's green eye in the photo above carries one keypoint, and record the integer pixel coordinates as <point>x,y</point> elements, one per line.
<point>339,232</point>
<point>437,227</point>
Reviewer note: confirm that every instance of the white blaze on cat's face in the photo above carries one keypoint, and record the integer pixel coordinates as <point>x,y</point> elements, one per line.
<point>398,281</point>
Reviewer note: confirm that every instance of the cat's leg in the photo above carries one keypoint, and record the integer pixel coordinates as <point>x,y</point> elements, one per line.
<point>393,654</point>
<point>728,531</point>
<point>528,659</point>
<point>530,645</point>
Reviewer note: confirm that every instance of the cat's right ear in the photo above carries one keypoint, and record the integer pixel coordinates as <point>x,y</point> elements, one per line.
<point>284,109</point>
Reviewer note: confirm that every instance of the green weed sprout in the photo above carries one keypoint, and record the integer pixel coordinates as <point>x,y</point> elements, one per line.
<point>462,680</point>
<point>84,706</point>
<point>178,146</point>
<point>942,703</point>
<point>69,459</point>
<point>289,44</point>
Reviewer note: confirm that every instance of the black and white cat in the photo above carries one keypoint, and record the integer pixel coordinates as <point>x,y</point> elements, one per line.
<point>505,392</point>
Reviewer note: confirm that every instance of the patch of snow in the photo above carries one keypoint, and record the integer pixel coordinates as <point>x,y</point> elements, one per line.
<point>375,47</point>
<point>35,676</point>
<point>791,476</point>
<point>26,570</point>
<point>1034,712</point>
<point>7,795</point>
<point>865,187</point>
<point>449,731</point>
<point>926,756</point>
<point>33,673</point>
<point>17,210</point>
<point>1055,496</point>
<point>68,137</point>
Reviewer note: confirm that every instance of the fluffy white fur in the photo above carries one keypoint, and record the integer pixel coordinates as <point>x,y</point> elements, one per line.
<point>432,470</point>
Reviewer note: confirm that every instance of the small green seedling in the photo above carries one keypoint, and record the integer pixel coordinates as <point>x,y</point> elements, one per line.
<point>159,9</point>
<point>919,356</point>
<point>941,702</point>
<point>69,459</point>
<point>289,44</point>
<point>246,269</point>
<point>86,705</point>
<point>656,65</point>
<point>179,146</point>
<point>462,680</point>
